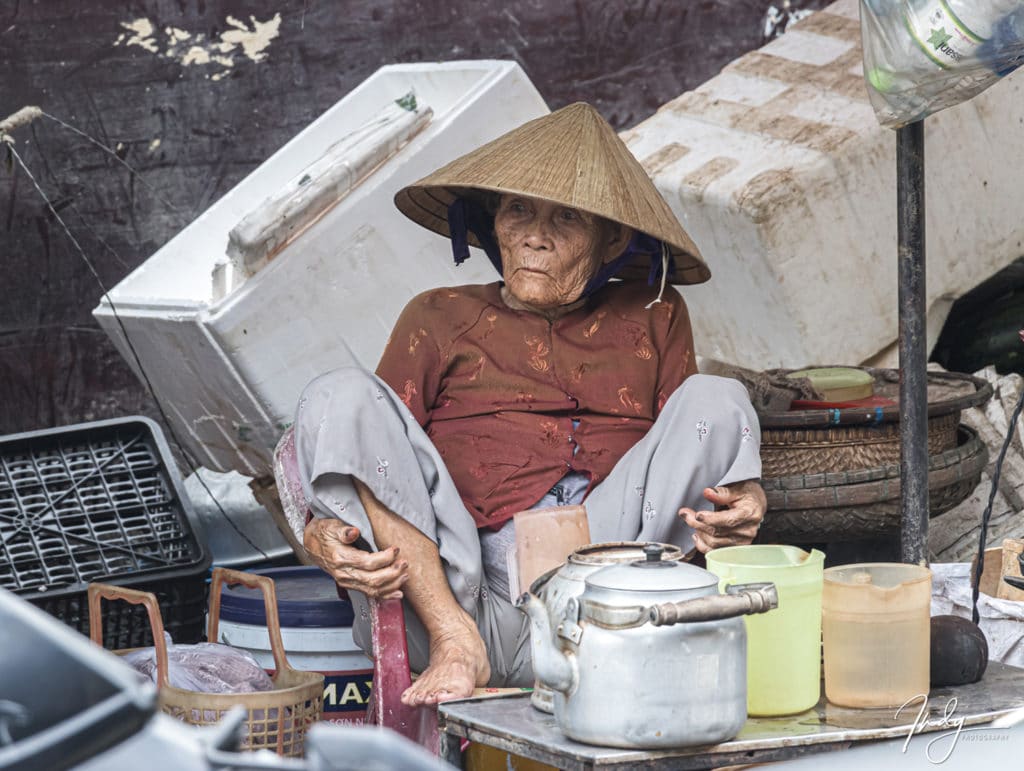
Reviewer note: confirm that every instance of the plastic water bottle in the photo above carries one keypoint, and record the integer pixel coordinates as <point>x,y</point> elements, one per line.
<point>950,32</point>
<point>924,55</point>
<point>945,34</point>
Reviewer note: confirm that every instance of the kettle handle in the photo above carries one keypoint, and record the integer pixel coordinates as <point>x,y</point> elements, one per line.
<point>742,599</point>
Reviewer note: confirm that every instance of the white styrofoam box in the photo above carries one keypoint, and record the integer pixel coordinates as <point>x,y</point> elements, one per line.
<point>286,213</point>
<point>780,172</point>
<point>228,357</point>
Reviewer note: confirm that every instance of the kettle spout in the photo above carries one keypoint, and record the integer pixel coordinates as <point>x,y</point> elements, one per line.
<point>552,667</point>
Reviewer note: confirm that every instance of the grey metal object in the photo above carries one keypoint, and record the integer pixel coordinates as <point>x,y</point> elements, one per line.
<point>741,600</point>
<point>557,587</point>
<point>65,698</point>
<point>512,725</point>
<point>913,347</point>
<point>165,744</point>
<point>236,529</point>
<point>366,748</point>
<point>450,750</point>
<point>619,680</point>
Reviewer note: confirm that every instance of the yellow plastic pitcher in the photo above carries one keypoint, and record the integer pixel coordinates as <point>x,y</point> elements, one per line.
<point>783,645</point>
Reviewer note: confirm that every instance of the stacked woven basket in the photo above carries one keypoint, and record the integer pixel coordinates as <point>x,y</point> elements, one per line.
<point>834,474</point>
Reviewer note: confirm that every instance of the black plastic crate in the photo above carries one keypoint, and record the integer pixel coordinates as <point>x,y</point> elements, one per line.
<point>100,502</point>
<point>182,607</point>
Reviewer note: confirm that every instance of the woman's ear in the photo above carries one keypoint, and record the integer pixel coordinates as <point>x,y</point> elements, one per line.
<point>616,240</point>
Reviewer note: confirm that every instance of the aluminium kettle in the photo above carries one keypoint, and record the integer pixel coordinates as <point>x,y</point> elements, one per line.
<point>649,656</point>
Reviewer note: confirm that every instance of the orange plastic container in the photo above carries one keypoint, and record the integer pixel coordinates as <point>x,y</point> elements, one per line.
<point>876,633</point>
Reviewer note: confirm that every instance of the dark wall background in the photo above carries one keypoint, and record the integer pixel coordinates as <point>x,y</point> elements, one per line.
<point>627,57</point>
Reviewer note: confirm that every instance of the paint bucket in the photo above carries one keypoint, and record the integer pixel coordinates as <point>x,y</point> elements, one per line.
<point>316,628</point>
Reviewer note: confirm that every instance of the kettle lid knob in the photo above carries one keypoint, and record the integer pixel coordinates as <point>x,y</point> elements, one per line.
<point>653,552</point>
<point>654,558</point>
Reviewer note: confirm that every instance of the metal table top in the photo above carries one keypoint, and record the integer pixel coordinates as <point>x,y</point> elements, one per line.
<point>513,725</point>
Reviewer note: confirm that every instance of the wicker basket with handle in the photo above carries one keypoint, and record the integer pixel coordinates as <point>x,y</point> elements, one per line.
<point>278,719</point>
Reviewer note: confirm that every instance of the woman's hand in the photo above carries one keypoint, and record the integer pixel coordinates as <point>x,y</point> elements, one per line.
<point>376,574</point>
<point>739,507</point>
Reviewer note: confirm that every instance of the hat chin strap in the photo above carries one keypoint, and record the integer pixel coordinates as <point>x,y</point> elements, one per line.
<point>467,216</point>
<point>664,276</point>
<point>639,243</point>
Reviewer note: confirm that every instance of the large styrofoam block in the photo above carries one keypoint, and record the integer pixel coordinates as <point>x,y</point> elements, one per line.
<point>781,174</point>
<point>229,358</point>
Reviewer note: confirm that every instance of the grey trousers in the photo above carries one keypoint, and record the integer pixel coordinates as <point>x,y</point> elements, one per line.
<point>351,424</point>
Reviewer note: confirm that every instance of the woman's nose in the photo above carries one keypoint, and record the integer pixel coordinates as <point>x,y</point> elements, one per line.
<point>538,235</point>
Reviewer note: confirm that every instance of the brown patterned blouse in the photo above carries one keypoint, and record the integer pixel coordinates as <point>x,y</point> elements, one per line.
<point>498,389</point>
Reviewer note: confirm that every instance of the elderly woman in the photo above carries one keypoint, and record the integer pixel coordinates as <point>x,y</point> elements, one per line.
<point>553,386</point>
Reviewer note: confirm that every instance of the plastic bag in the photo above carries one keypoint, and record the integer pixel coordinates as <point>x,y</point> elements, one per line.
<point>1002,621</point>
<point>204,667</point>
<point>921,56</point>
<point>221,669</point>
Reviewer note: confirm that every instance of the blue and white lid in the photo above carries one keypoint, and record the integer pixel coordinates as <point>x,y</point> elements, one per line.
<point>306,598</point>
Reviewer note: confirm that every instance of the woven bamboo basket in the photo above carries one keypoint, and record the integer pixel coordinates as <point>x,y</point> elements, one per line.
<point>829,440</point>
<point>277,719</point>
<point>865,503</point>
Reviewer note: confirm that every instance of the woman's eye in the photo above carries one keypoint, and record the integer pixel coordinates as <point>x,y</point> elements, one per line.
<point>517,206</point>
<point>570,215</point>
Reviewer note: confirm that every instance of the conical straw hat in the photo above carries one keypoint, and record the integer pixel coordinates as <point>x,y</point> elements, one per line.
<point>572,157</point>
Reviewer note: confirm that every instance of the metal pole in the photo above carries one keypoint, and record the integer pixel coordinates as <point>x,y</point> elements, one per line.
<point>912,344</point>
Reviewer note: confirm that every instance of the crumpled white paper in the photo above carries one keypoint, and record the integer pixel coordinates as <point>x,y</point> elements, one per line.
<point>1002,621</point>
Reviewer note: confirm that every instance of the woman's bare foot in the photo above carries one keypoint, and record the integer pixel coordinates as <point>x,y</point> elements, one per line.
<point>458,659</point>
<point>458,664</point>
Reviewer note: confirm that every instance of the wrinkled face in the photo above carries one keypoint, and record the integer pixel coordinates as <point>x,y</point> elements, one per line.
<point>549,251</point>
